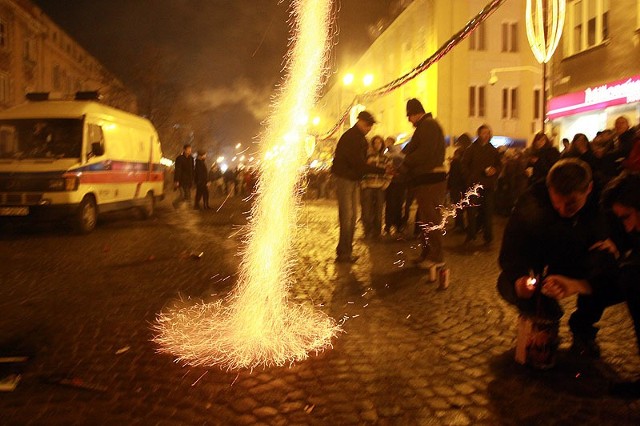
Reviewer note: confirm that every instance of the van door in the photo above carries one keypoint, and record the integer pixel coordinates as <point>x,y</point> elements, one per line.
<point>98,171</point>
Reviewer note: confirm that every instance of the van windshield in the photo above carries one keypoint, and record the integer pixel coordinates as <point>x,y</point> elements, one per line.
<point>48,138</point>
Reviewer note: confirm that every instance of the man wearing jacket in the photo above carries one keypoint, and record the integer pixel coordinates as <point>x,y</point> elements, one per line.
<point>349,165</point>
<point>481,164</point>
<point>424,165</point>
<point>556,232</point>
<point>183,175</point>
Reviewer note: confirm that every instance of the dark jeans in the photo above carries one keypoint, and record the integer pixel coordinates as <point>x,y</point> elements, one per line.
<point>483,210</point>
<point>430,198</point>
<point>626,288</point>
<point>394,198</point>
<point>184,196</point>
<point>202,192</point>
<point>456,196</point>
<point>372,203</point>
<point>347,194</point>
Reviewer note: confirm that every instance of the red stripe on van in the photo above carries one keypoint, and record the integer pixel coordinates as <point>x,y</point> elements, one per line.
<point>120,177</point>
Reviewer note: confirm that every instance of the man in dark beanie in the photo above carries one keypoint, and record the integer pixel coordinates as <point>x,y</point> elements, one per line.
<point>424,165</point>
<point>349,165</point>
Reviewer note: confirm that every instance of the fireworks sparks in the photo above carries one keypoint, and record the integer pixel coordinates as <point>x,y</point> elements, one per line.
<point>452,211</point>
<point>256,325</point>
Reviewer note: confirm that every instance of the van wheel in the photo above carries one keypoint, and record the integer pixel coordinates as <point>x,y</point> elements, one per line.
<point>148,206</point>
<point>86,216</point>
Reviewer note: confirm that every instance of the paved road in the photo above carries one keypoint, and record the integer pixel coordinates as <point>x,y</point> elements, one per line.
<point>82,306</point>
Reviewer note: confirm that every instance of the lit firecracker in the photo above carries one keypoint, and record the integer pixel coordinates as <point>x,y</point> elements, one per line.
<point>450,212</point>
<point>256,325</point>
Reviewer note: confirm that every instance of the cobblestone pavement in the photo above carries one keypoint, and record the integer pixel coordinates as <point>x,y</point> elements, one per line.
<point>411,354</point>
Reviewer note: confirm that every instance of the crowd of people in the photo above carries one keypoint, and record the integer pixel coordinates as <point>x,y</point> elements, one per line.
<point>189,173</point>
<point>573,216</point>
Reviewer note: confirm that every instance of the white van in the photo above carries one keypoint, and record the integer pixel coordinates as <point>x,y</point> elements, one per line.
<point>76,159</point>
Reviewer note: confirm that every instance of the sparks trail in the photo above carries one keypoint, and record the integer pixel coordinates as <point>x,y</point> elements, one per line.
<point>256,325</point>
<point>451,212</point>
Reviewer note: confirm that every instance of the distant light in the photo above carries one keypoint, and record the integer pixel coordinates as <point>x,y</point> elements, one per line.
<point>234,158</point>
<point>367,80</point>
<point>220,159</point>
<point>500,141</point>
<point>238,145</point>
<point>242,158</point>
<point>250,159</point>
<point>166,162</point>
<point>223,167</point>
<point>347,79</point>
<point>316,121</point>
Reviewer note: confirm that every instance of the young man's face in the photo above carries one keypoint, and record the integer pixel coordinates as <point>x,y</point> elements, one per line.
<point>414,118</point>
<point>569,205</point>
<point>629,217</point>
<point>364,126</point>
<point>484,135</point>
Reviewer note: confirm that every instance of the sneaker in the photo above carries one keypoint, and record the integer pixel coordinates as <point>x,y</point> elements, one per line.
<point>585,347</point>
<point>626,390</point>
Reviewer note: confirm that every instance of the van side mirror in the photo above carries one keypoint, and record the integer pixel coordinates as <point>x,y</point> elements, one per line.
<point>97,149</point>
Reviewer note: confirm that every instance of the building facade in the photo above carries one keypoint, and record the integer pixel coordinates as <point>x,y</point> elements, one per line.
<point>491,77</point>
<point>36,55</point>
<point>596,70</point>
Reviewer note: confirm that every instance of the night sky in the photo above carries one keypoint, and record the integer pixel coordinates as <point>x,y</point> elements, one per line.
<point>226,54</point>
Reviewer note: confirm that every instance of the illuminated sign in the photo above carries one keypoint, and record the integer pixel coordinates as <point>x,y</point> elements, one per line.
<point>595,98</point>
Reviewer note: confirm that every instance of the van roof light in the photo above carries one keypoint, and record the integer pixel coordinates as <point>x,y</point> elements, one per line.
<point>92,95</point>
<point>37,96</point>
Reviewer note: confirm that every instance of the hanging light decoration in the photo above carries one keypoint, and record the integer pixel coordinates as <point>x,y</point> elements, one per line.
<point>545,22</point>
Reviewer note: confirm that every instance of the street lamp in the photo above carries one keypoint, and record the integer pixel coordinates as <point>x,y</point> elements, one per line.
<point>544,21</point>
<point>347,82</point>
<point>493,79</point>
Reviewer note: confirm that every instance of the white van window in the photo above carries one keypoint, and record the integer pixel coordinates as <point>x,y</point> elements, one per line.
<point>40,138</point>
<point>95,141</point>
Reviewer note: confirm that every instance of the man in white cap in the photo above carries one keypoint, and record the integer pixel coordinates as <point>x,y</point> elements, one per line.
<point>349,165</point>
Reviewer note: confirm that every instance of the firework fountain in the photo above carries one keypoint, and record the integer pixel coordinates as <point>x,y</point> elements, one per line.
<point>256,325</point>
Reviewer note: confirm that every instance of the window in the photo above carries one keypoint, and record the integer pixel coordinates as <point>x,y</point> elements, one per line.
<point>56,80</point>
<point>476,101</point>
<point>472,101</point>
<point>477,38</point>
<point>589,24</point>
<point>505,103</point>
<point>509,36</point>
<point>3,34</point>
<point>537,104</point>
<point>4,88</point>
<point>28,49</point>
<point>510,103</point>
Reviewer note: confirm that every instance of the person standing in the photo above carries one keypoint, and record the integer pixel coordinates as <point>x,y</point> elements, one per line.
<point>349,166</point>
<point>372,189</point>
<point>396,192</point>
<point>201,175</point>
<point>424,165</point>
<point>456,183</point>
<point>183,176</point>
<point>481,163</point>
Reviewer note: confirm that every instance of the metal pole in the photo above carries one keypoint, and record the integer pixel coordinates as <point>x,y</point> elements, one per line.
<point>544,96</point>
